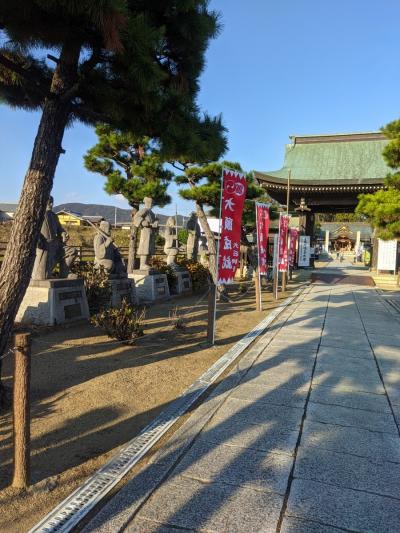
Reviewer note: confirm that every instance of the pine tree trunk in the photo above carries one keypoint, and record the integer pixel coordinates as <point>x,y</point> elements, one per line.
<point>212,246</point>
<point>132,243</point>
<point>20,254</point>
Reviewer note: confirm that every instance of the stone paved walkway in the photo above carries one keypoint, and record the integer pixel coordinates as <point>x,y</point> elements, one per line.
<point>305,439</point>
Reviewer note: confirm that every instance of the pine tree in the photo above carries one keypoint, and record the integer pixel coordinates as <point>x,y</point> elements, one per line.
<point>383,207</point>
<point>132,167</point>
<point>204,188</point>
<point>132,64</point>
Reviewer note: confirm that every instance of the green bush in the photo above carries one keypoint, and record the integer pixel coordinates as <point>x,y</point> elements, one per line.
<point>199,274</point>
<point>160,240</point>
<point>163,268</point>
<point>97,285</point>
<point>122,323</point>
<point>183,236</point>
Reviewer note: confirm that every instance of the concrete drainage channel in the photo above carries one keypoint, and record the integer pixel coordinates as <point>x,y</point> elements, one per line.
<point>76,506</point>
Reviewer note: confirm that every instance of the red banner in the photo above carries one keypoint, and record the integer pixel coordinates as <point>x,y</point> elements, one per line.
<point>234,188</point>
<point>293,234</point>
<point>262,217</point>
<point>283,243</point>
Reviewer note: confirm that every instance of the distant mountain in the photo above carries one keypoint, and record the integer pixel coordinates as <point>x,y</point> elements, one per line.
<point>107,212</point>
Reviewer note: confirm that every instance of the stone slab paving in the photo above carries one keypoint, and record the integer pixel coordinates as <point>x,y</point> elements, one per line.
<point>305,441</point>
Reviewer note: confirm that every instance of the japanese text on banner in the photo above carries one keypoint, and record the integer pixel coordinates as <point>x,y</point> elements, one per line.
<point>262,216</point>
<point>233,196</point>
<point>283,243</point>
<point>293,234</point>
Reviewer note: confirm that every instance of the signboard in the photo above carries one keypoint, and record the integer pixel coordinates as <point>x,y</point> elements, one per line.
<point>293,234</point>
<point>387,253</point>
<point>262,218</point>
<point>283,243</point>
<point>234,188</point>
<point>304,251</point>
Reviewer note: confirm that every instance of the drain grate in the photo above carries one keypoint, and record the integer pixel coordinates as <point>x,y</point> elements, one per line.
<point>76,506</point>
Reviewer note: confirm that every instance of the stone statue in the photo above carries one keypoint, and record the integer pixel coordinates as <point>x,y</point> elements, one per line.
<point>171,242</point>
<point>192,245</point>
<point>203,251</point>
<point>106,253</point>
<point>147,222</point>
<point>52,248</point>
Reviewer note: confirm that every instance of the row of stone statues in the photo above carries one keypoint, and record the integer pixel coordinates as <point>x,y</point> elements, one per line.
<point>52,247</point>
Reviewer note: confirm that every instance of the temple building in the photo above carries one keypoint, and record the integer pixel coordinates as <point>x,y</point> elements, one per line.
<point>326,173</point>
<point>343,236</point>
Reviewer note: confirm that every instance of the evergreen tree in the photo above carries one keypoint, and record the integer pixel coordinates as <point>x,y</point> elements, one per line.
<point>132,167</point>
<point>204,188</point>
<point>132,64</point>
<point>383,207</point>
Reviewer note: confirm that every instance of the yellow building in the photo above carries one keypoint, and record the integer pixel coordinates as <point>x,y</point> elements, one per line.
<point>67,218</point>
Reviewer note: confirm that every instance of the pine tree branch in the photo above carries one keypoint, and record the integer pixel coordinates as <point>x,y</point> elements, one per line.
<point>27,74</point>
<point>86,67</point>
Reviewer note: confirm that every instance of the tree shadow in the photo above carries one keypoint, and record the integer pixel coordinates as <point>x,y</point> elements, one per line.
<point>247,447</point>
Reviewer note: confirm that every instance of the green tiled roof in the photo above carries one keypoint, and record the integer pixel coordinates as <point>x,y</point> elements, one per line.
<point>333,159</point>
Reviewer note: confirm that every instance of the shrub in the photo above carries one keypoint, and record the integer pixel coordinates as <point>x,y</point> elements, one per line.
<point>200,275</point>
<point>122,323</point>
<point>97,286</point>
<point>183,236</point>
<point>163,268</point>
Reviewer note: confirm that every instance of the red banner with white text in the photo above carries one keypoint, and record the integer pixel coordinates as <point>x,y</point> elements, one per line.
<point>293,234</point>
<point>234,188</point>
<point>283,243</point>
<point>262,218</point>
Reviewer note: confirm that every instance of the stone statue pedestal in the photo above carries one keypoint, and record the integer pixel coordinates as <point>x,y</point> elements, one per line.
<point>53,301</point>
<point>122,289</point>
<point>183,284</point>
<point>150,285</point>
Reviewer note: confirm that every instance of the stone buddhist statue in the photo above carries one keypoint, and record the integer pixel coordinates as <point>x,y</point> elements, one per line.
<point>52,248</point>
<point>203,251</point>
<point>192,245</point>
<point>171,242</point>
<point>107,254</point>
<point>147,222</point>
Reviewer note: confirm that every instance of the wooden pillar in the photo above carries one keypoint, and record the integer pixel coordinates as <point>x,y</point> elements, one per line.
<point>258,291</point>
<point>21,410</point>
<point>211,312</point>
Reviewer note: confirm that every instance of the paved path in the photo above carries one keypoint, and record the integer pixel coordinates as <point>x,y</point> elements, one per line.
<point>302,438</point>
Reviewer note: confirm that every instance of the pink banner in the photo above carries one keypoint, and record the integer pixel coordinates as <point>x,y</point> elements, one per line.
<point>262,217</point>
<point>293,234</point>
<point>283,243</point>
<point>234,188</point>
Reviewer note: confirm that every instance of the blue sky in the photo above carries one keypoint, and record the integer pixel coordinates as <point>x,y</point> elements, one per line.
<point>279,67</point>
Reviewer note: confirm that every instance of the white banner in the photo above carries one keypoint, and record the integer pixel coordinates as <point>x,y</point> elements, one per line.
<point>387,253</point>
<point>304,251</point>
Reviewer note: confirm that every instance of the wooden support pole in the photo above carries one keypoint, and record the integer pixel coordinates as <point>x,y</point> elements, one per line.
<point>275,283</point>
<point>258,291</point>
<point>283,281</point>
<point>211,314</point>
<point>21,410</point>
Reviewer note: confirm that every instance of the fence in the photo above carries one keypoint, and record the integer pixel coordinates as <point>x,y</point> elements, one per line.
<point>86,253</point>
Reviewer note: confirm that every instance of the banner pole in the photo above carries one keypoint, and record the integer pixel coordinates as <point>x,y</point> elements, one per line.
<point>277,260</point>
<point>217,259</point>
<point>258,274</point>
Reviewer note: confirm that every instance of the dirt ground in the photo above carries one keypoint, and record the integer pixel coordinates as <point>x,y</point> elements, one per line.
<point>91,395</point>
